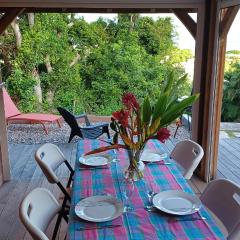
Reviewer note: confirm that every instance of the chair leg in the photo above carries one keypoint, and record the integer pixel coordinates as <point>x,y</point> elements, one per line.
<point>176,131</point>
<point>59,124</point>
<point>106,130</point>
<point>44,127</point>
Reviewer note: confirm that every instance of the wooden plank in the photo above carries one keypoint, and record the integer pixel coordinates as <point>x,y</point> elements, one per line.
<point>64,4</point>
<point>226,167</point>
<point>8,17</point>
<point>227,20</point>
<point>229,3</point>
<point>187,20</point>
<point>204,82</point>
<point>231,153</point>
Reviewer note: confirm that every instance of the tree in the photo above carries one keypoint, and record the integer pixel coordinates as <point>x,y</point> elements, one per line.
<point>61,60</point>
<point>231,95</point>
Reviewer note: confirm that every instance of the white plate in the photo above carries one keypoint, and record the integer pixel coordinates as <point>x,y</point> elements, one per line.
<point>177,202</point>
<point>95,160</point>
<point>151,156</point>
<point>99,208</point>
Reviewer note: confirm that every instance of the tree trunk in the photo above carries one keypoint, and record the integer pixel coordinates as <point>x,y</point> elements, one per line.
<point>17,33</point>
<point>50,92</point>
<point>37,87</point>
<point>30,20</point>
<point>75,60</point>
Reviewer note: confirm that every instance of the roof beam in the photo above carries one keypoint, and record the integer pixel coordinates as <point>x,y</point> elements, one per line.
<point>229,3</point>
<point>186,19</point>
<point>227,21</point>
<point>8,17</point>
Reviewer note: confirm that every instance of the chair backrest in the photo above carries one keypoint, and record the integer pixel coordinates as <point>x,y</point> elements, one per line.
<point>36,211</point>
<point>222,197</point>
<point>69,118</point>
<point>188,154</point>
<point>9,106</point>
<point>49,157</point>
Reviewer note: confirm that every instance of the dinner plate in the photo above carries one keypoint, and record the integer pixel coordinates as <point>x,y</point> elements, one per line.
<point>95,160</point>
<point>151,156</point>
<point>99,208</point>
<point>177,202</point>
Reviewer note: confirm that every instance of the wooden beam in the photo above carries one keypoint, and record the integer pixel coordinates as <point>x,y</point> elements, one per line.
<point>229,3</point>
<point>100,10</point>
<point>226,23</point>
<point>205,76</point>
<point>188,22</point>
<point>8,17</point>
<point>102,3</point>
<point>224,28</point>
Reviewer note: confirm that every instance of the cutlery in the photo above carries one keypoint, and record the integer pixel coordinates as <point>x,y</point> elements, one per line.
<point>159,163</point>
<point>184,209</point>
<point>186,219</point>
<point>98,227</point>
<point>91,168</point>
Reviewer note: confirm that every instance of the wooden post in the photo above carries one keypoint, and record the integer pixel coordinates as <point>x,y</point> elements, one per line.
<point>227,18</point>
<point>4,160</point>
<point>205,76</point>
<point>5,174</point>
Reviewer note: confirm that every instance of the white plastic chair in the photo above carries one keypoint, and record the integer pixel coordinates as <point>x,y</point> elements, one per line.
<point>49,157</point>
<point>187,154</point>
<point>37,210</point>
<point>222,198</point>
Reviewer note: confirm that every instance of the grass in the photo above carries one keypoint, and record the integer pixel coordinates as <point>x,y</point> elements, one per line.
<point>230,133</point>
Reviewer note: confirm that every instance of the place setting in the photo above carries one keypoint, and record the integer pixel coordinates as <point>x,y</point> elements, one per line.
<point>151,156</point>
<point>95,161</point>
<point>176,205</point>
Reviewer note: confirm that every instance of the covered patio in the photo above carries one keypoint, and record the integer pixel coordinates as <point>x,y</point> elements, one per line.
<point>19,173</point>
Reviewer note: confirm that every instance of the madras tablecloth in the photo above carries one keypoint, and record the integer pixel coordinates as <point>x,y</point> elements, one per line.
<point>138,224</point>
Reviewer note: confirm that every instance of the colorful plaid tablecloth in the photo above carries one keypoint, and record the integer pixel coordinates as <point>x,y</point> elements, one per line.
<point>137,224</point>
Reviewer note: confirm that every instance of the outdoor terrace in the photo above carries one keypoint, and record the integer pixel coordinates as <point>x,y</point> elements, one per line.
<point>26,176</point>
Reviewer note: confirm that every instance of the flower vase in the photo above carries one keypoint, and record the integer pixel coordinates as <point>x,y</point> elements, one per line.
<point>135,170</point>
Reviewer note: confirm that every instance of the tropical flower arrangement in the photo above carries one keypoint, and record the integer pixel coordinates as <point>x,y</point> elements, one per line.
<point>136,123</point>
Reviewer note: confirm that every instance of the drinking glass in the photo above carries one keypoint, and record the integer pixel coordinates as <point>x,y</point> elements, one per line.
<point>149,189</point>
<point>127,191</point>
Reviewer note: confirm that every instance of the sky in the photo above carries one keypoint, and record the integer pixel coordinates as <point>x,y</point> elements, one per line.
<point>185,39</point>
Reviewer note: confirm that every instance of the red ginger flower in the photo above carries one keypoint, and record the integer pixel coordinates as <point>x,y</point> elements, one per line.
<point>121,116</point>
<point>129,101</point>
<point>163,134</point>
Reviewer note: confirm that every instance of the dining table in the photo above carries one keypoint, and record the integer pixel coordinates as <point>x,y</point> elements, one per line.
<point>139,223</point>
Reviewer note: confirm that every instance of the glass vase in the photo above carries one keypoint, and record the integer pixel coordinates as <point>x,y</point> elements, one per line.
<point>135,170</point>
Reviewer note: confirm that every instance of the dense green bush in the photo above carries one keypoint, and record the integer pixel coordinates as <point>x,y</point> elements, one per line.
<point>231,95</point>
<point>65,61</point>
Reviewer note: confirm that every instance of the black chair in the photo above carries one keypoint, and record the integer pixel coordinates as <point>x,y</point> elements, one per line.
<point>188,112</point>
<point>88,131</point>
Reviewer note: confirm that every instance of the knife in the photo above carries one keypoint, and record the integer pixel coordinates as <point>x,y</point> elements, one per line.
<point>91,168</point>
<point>98,227</point>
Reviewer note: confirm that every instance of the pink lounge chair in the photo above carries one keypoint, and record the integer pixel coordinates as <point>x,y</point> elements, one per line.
<point>12,114</point>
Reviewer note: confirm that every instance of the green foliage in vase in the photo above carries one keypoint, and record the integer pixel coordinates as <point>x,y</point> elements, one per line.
<point>62,60</point>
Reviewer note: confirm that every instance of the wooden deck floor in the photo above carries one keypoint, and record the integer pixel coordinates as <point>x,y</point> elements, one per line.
<point>26,175</point>
<point>229,159</point>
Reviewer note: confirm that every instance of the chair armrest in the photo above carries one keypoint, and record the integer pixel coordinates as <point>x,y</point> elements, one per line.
<point>98,125</point>
<point>84,115</point>
<point>80,116</point>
